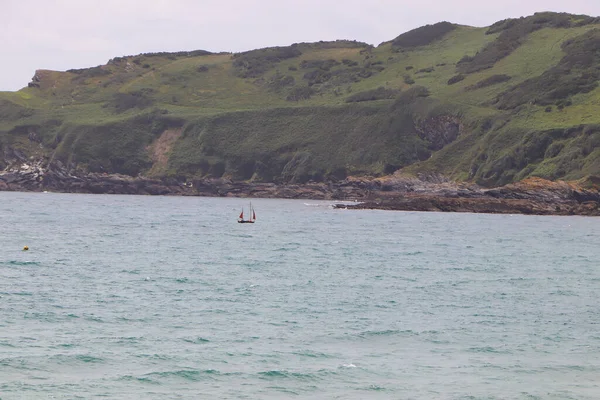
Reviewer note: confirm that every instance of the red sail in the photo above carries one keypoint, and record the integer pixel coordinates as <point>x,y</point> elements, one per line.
<point>241,215</point>
<point>253,215</point>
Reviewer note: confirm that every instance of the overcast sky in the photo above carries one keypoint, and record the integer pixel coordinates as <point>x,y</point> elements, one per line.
<point>64,34</point>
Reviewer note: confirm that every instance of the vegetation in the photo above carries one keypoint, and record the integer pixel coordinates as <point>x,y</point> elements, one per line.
<point>576,73</point>
<point>489,105</point>
<point>380,93</point>
<point>456,79</point>
<point>513,34</point>
<point>489,81</point>
<point>252,64</point>
<point>422,36</point>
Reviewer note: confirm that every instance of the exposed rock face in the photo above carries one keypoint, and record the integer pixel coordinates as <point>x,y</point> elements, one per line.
<point>439,131</point>
<point>38,78</point>
<point>425,193</point>
<point>530,196</point>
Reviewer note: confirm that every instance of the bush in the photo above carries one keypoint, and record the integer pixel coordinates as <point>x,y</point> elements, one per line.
<point>492,80</point>
<point>170,56</point>
<point>90,72</point>
<point>325,65</point>
<point>426,70</point>
<point>252,64</point>
<point>278,82</point>
<point>380,93</point>
<point>139,99</point>
<point>456,79</point>
<point>408,80</point>
<point>300,93</point>
<point>202,68</point>
<point>422,36</point>
<point>317,76</point>
<point>465,59</point>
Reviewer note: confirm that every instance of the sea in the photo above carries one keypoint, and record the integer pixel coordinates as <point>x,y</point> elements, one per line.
<point>139,297</point>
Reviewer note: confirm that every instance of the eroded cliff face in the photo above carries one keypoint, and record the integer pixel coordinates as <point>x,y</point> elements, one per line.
<point>439,131</point>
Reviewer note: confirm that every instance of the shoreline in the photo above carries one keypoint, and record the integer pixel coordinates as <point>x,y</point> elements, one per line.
<point>533,196</point>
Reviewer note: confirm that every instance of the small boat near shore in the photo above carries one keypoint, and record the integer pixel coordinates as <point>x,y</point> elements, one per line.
<point>250,220</point>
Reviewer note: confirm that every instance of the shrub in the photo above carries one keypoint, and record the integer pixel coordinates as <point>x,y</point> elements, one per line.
<point>426,70</point>
<point>90,72</point>
<point>139,99</point>
<point>300,93</point>
<point>422,36</point>
<point>278,82</point>
<point>168,55</point>
<point>380,93</point>
<point>317,76</point>
<point>492,80</point>
<point>456,79</point>
<point>465,59</point>
<point>252,64</point>
<point>408,80</point>
<point>202,68</point>
<point>325,65</point>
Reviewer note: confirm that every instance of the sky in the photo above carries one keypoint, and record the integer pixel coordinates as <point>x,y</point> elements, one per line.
<point>65,34</point>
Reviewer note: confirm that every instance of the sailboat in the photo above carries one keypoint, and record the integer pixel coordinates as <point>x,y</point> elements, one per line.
<point>251,220</point>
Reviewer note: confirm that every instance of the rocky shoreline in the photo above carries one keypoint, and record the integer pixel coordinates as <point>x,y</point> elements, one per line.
<point>433,193</point>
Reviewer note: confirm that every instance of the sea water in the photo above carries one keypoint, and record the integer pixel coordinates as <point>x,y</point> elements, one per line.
<point>132,297</point>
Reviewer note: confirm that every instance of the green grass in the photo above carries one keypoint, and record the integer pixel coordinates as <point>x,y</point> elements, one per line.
<point>245,128</point>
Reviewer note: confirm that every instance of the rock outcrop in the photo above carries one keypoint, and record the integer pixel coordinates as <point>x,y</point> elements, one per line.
<point>423,193</point>
<point>531,196</point>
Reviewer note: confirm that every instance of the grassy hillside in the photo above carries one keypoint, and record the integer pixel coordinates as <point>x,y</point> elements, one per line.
<point>491,105</point>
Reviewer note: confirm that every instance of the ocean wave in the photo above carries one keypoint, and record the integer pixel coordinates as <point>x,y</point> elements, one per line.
<point>65,359</point>
<point>375,388</point>
<point>282,374</point>
<point>132,271</point>
<point>16,262</point>
<point>316,205</point>
<point>311,354</point>
<point>93,318</point>
<point>16,293</point>
<point>487,349</point>
<point>198,340</point>
<point>88,359</point>
<point>142,379</point>
<point>412,253</point>
<point>284,390</point>
<point>388,332</point>
<point>193,375</point>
